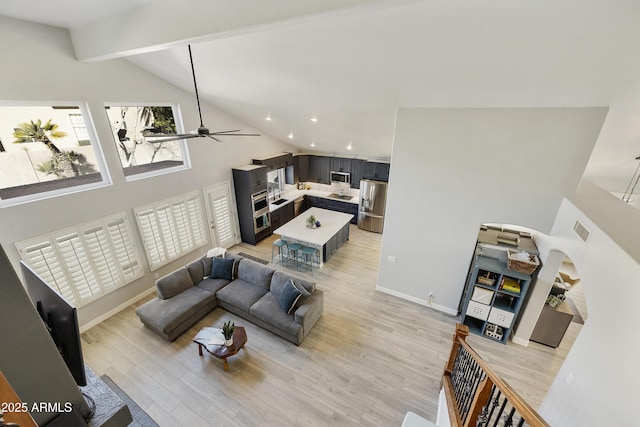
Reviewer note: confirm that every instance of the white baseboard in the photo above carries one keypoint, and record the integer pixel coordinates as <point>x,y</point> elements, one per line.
<point>437,307</point>
<point>116,310</point>
<point>520,341</point>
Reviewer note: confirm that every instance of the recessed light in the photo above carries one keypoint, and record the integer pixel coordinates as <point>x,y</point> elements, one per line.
<point>313,144</point>
<point>291,135</point>
<point>314,119</point>
<point>268,118</point>
<point>349,147</point>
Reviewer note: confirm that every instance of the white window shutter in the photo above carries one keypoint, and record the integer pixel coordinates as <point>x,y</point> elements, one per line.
<point>76,263</point>
<point>171,228</point>
<point>124,248</point>
<point>195,214</point>
<point>87,261</point>
<point>223,219</point>
<point>40,254</point>
<point>151,238</point>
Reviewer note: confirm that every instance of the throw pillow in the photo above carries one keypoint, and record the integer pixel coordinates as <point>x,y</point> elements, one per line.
<point>289,297</point>
<point>305,294</point>
<point>234,271</point>
<point>222,268</point>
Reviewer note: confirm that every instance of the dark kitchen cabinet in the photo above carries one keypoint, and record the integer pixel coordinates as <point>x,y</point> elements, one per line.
<point>281,216</point>
<point>333,205</point>
<point>344,207</point>
<point>249,180</point>
<point>275,162</point>
<point>340,164</point>
<point>257,179</point>
<point>376,171</point>
<point>301,168</point>
<point>319,169</point>
<point>357,172</point>
<point>315,202</point>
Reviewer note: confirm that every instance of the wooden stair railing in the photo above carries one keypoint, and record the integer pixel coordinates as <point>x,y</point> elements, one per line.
<point>478,397</point>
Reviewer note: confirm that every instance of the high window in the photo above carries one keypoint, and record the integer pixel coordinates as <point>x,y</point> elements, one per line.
<point>87,261</point>
<point>171,228</point>
<point>47,150</point>
<point>141,157</point>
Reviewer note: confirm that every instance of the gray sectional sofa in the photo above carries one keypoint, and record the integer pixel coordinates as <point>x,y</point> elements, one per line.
<point>188,294</point>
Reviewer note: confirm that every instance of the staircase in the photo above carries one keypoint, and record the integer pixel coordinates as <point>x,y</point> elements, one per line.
<point>478,397</point>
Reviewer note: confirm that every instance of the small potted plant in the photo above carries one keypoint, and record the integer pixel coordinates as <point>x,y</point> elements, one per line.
<point>227,331</point>
<point>555,300</point>
<point>311,221</point>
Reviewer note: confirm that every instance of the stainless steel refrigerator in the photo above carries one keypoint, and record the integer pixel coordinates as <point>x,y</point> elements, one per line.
<point>373,200</point>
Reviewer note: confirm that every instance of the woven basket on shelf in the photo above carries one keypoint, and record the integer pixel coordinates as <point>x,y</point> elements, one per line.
<point>522,266</point>
<point>485,280</point>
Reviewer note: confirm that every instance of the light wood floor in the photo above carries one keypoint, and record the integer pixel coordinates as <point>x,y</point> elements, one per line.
<point>370,359</point>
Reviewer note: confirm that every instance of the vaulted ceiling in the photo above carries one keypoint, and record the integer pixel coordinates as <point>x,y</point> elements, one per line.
<point>351,63</point>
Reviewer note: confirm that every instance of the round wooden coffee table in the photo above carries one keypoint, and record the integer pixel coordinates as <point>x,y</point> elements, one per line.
<point>222,351</point>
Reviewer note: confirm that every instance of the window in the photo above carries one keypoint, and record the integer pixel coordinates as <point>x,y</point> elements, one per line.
<point>140,157</point>
<point>171,228</point>
<point>87,261</point>
<point>48,150</point>
<point>79,128</point>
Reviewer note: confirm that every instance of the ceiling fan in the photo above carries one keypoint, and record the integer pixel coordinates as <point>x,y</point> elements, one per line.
<point>152,135</point>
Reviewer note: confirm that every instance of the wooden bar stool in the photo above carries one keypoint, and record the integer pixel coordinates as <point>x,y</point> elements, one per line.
<point>281,246</point>
<point>310,255</point>
<point>294,249</point>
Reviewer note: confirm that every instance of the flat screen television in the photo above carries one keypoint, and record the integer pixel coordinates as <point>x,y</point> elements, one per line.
<point>60,318</point>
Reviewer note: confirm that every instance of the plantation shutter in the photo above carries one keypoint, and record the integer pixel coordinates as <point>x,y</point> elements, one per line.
<point>124,250</point>
<point>195,215</point>
<point>151,238</point>
<point>40,254</point>
<point>86,261</point>
<point>171,228</point>
<point>77,264</point>
<point>223,219</point>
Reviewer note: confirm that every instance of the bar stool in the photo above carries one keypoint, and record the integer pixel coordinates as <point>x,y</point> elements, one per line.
<point>281,246</point>
<point>293,250</point>
<point>310,254</point>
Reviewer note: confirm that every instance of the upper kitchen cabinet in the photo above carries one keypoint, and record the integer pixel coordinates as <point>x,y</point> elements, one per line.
<point>376,171</point>
<point>320,169</point>
<point>275,162</point>
<point>357,172</point>
<point>340,164</point>
<point>301,168</point>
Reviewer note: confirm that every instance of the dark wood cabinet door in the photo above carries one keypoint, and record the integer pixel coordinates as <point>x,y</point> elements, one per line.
<point>376,171</point>
<point>303,167</point>
<point>319,169</point>
<point>357,172</point>
<point>340,164</point>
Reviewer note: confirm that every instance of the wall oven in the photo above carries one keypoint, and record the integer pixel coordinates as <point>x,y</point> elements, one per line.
<point>340,177</point>
<point>261,221</point>
<point>259,201</point>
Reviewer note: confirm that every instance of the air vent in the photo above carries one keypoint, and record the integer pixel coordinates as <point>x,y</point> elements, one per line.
<point>581,231</point>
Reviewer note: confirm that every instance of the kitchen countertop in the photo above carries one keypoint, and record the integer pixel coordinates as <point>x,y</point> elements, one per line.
<point>331,222</point>
<point>292,195</point>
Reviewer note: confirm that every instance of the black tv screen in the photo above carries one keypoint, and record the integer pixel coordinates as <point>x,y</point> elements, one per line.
<point>61,320</point>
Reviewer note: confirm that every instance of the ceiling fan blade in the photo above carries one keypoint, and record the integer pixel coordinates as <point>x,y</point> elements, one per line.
<point>236,134</point>
<point>167,138</point>
<point>213,137</point>
<point>224,131</point>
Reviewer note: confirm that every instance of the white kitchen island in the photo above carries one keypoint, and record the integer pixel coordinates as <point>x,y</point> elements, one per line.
<point>332,233</point>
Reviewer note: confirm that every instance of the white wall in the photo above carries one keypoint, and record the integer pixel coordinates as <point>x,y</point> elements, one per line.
<point>604,358</point>
<point>40,65</point>
<point>453,169</point>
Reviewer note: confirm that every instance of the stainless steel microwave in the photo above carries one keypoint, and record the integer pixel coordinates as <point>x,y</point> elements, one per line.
<point>341,177</point>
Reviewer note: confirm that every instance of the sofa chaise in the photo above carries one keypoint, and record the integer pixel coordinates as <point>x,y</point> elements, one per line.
<point>253,291</point>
